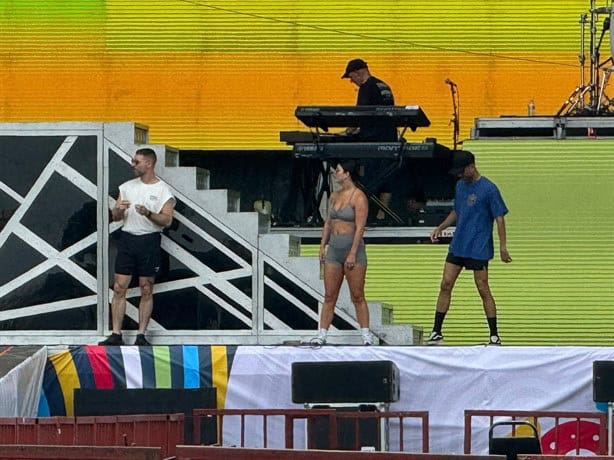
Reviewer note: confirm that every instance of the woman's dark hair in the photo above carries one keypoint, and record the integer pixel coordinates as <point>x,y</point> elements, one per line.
<point>351,167</point>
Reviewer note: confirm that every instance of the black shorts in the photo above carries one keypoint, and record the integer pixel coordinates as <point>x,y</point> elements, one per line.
<point>138,255</point>
<point>467,262</point>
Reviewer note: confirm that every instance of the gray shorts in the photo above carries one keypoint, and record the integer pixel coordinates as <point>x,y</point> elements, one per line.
<point>339,247</point>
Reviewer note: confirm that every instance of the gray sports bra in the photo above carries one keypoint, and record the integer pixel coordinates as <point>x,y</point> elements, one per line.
<point>345,214</point>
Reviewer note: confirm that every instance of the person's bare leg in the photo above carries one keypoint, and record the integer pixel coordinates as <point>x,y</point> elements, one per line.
<point>450,275</point>
<point>356,283</point>
<point>385,198</point>
<point>333,277</point>
<point>118,304</point>
<point>488,301</point>
<point>146,284</point>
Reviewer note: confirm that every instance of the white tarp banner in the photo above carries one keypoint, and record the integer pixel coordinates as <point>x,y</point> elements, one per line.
<point>445,381</point>
<point>20,388</point>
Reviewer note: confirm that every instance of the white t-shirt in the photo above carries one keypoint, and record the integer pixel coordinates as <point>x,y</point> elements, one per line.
<point>152,196</point>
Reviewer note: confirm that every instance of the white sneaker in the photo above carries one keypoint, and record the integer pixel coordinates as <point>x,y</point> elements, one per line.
<point>367,340</point>
<point>318,341</point>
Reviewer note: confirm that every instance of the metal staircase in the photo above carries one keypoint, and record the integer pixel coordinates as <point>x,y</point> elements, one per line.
<point>225,278</point>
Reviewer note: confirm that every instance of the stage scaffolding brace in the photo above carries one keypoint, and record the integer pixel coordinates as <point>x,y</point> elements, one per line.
<point>591,99</point>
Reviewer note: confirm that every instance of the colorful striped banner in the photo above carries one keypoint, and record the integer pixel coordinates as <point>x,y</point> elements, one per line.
<point>175,366</point>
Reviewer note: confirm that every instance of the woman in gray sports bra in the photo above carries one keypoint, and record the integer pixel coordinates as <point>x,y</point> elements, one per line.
<point>342,250</point>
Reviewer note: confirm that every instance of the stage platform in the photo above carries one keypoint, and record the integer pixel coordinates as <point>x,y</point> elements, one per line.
<point>443,380</point>
<point>545,127</point>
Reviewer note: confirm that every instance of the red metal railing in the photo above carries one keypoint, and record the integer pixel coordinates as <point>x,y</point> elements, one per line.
<point>572,431</point>
<point>335,417</point>
<point>563,457</point>
<point>28,452</point>
<point>241,453</point>
<point>164,431</point>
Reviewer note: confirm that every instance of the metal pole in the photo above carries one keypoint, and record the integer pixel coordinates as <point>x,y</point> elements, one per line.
<point>609,428</point>
<point>582,56</point>
<point>593,53</point>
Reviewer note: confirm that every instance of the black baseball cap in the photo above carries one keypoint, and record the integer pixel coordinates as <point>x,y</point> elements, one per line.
<point>460,159</point>
<point>354,64</point>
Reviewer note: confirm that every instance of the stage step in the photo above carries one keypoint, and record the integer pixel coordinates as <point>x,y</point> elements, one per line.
<point>284,251</point>
<point>226,278</point>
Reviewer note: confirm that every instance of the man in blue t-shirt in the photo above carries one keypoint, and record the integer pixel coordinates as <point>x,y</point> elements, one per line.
<point>477,203</point>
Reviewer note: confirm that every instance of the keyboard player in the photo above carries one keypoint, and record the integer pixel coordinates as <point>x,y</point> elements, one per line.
<point>372,91</point>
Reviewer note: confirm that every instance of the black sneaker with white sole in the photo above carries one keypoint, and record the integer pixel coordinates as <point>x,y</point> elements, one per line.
<point>436,338</point>
<point>494,340</point>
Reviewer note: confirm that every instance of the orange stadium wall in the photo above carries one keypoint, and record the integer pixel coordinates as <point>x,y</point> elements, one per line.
<point>228,74</point>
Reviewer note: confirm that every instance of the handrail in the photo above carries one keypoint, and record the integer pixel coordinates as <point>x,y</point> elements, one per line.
<point>334,418</point>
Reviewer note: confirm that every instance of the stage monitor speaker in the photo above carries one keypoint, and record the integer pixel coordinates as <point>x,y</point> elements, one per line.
<point>603,381</point>
<point>125,401</point>
<point>345,382</point>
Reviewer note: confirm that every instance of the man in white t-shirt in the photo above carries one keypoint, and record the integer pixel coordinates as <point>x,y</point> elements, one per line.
<point>145,204</point>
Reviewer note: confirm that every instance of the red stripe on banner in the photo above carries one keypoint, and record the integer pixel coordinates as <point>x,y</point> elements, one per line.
<point>100,366</point>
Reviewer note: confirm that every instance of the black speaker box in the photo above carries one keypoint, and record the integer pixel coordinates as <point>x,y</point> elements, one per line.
<point>352,434</point>
<point>345,382</point>
<point>149,401</point>
<point>603,381</point>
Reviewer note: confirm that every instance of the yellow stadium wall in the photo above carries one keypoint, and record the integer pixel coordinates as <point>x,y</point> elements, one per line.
<point>558,289</point>
<point>228,74</point>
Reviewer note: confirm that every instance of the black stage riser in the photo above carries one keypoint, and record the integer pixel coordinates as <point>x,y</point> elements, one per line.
<point>149,401</point>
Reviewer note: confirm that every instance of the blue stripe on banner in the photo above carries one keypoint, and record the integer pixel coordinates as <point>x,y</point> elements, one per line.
<point>148,367</point>
<point>83,366</point>
<point>231,350</point>
<point>43,406</point>
<point>176,357</point>
<point>53,391</point>
<point>116,363</point>
<point>204,366</point>
<point>191,374</point>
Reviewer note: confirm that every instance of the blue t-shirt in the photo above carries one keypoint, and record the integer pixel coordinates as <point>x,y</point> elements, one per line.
<point>476,205</point>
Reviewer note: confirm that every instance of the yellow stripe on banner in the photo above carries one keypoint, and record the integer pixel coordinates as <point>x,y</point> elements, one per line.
<point>219,371</point>
<point>67,377</point>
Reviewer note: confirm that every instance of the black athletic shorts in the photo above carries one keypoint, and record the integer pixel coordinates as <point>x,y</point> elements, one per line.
<point>467,262</point>
<point>138,255</point>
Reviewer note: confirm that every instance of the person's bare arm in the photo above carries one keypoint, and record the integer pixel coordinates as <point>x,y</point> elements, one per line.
<point>361,210</point>
<point>118,211</point>
<point>163,218</point>
<point>505,255</point>
<point>449,220</point>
